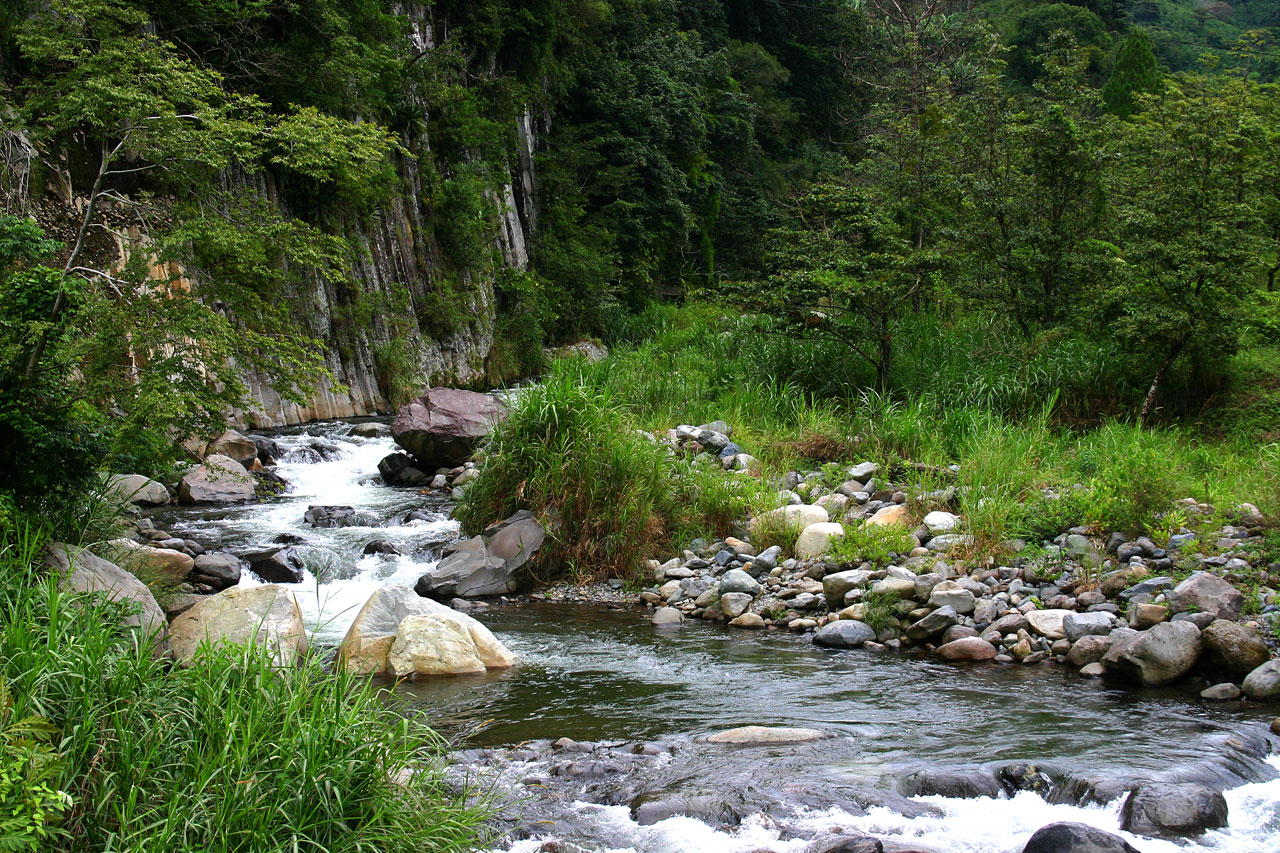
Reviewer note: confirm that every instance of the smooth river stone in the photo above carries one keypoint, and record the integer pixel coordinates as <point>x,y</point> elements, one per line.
<point>761,735</point>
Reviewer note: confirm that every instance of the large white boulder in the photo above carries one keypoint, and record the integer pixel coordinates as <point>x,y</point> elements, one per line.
<point>381,640</point>
<point>939,522</point>
<point>817,539</point>
<point>265,615</point>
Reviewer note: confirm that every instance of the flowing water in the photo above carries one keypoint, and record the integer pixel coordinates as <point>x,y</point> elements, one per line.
<point>641,701</point>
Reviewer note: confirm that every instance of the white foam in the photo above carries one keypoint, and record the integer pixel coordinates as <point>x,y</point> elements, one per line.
<point>977,825</point>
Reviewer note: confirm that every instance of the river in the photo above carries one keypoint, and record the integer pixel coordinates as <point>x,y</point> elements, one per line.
<point>640,702</point>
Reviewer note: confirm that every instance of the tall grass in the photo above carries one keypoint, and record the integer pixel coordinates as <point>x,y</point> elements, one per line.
<point>235,754</point>
<point>609,496</point>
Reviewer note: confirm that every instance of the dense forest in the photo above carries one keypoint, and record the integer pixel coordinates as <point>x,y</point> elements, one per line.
<point>1096,179</point>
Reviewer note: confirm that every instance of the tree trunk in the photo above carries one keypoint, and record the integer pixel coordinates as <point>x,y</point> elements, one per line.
<point>884,360</point>
<point>1149,402</point>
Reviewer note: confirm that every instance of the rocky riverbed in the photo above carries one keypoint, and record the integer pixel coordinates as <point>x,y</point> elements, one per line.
<point>617,716</point>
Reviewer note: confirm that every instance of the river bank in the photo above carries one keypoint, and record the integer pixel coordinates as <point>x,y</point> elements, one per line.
<point>633,699</point>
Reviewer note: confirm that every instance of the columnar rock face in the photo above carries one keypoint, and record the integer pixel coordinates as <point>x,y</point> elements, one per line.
<point>267,616</point>
<point>399,633</point>
<point>442,428</point>
<point>83,572</point>
<point>220,479</point>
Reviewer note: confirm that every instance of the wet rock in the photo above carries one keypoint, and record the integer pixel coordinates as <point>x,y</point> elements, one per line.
<point>1025,776</point>
<point>1144,616</point>
<point>166,566</point>
<point>1234,647</point>
<point>1158,656</point>
<point>1263,683</point>
<point>442,428</point>
<point>380,546</point>
<point>764,735</point>
<point>81,571</point>
<point>328,517</point>
<point>1097,669</point>
<point>1225,692</point>
<point>490,564</point>
<point>845,844</point>
<point>961,783</point>
<point>708,808</point>
<point>235,446</point>
<point>221,568</point>
<point>1088,649</point>
<point>967,649</point>
<point>399,469</point>
<point>269,450</point>
<point>267,616</point>
<point>137,489</point>
<point>1173,809</point>
<point>219,480</point>
<point>276,565</point>
<point>816,539</point>
<point>371,429</point>
<point>665,617</point>
<point>1067,837</point>
<point>844,634</point>
<point>748,620</point>
<point>1207,593</point>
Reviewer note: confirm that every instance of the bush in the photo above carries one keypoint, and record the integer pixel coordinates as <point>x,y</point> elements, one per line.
<point>871,543</point>
<point>236,754</point>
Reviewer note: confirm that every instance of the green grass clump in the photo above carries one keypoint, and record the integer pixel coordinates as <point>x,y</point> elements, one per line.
<point>610,496</point>
<point>235,754</point>
<point>870,543</point>
<point>879,610</point>
<point>769,530</point>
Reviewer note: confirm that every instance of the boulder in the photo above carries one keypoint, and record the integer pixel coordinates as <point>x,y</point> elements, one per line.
<point>159,565</point>
<point>939,522</point>
<point>1234,647</point>
<point>1088,649</point>
<point>1206,593</point>
<point>967,649</point>
<point>371,429</point>
<point>219,480</point>
<point>264,615</point>
<point>1156,656</point>
<point>137,489</point>
<point>894,515</point>
<point>1159,808</point>
<point>765,735</point>
<point>734,604</point>
<point>836,584</point>
<point>800,515</point>
<point>895,587</point>
<point>366,648</point>
<point>953,595</point>
<point>1077,625</point>
<point>844,634</point>
<point>956,783</point>
<point>276,565</point>
<point>328,517</point>
<point>736,580</point>
<point>398,469</point>
<point>816,539</point>
<point>269,450</point>
<point>1263,683</point>
<point>442,428</point>
<point>218,569</point>
<point>1067,837</point>
<point>235,446</point>
<point>442,644</point>
<point>933,624</point>
<point>1048,623</point>
<point>80,571</point>
<point>489,564</point>
<point>666,617</point>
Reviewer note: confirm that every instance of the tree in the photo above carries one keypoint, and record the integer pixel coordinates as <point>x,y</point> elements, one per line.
<point>1189,226</point>
<point>1134,70</point>
<point>844,270</point>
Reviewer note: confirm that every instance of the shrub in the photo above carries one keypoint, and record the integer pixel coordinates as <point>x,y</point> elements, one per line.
<point>236,754</point>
